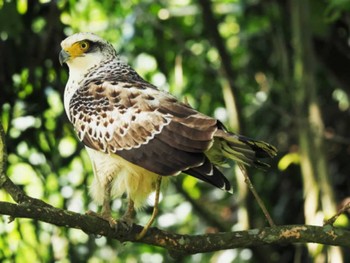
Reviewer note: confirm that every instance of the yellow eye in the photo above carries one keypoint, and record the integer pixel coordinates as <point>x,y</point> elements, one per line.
<point>84,45</point>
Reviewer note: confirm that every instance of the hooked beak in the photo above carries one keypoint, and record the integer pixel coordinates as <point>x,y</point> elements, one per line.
<point>63,56</point>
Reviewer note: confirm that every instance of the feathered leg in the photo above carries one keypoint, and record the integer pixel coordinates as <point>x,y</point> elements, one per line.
<point>155,210</point>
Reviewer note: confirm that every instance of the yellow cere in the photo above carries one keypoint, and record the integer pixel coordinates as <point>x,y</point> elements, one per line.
<point>78,48</point>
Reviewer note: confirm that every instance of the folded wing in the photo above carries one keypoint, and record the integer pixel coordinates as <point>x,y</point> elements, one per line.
<point>146,127</point>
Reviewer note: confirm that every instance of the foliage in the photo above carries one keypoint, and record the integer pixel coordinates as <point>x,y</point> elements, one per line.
<point>171,45</point>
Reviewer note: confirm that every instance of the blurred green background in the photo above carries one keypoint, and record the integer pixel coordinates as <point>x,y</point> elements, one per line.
<point>279,67</point>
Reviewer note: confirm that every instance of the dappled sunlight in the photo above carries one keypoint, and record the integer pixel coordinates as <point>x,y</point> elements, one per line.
<point>260,67</point>
<point>342,98</point>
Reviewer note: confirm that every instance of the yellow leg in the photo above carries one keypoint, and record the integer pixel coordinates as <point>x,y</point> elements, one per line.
<point>155,210</point>
<point>129,214</point>
<point>106,213</point>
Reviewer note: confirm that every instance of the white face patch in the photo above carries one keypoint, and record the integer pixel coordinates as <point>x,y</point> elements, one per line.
<point>80,66</point>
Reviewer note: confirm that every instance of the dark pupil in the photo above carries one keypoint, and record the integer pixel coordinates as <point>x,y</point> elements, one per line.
<point>83,45</point>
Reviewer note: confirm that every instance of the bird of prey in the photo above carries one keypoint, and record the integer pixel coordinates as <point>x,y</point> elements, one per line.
<point>136,134</point>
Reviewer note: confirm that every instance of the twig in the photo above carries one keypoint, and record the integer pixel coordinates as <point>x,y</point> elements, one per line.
<point>257,197</point>
<point>332,220</point>
<point>203,210</point>
<point>3,156</point>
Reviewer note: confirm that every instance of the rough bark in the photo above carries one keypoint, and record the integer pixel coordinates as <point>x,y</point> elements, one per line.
<point>176,244</point>
<point>182,244</point>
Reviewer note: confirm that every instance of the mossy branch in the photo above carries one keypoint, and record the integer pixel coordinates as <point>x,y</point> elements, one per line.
<point>176,244</point>
<point>182,244</point>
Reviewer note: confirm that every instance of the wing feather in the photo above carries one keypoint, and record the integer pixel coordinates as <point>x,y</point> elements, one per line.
<point>143,125</point>
<point>161,158</point>
<point>178,141</point>
<point>115,111</point>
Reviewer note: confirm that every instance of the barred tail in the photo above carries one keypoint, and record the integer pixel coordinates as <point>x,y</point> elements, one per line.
<point>240,149</point>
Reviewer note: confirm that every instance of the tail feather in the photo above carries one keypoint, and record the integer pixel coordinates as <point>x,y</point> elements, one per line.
<point>261,149</point>
<point>229,146</point>
<point>215,177</point>
<point>240,149</point>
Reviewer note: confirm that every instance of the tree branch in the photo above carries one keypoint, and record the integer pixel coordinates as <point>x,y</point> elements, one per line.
<point>16,193</point>
<point>176,244</point>
<point>182,244</point>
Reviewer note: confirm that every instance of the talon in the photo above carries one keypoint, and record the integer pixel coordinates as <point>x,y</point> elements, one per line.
<point>107,217</point>
<point>127,222</point>
<point>112,222</point>
<point>126,225</point>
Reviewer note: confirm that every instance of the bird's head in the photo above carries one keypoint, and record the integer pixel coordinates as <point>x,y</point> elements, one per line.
<point>85,50</point>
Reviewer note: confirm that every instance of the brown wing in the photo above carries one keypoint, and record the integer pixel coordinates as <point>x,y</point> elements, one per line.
<point>147,127</point>
<point>117,117</point>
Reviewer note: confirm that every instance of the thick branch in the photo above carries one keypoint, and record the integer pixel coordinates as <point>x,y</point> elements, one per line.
<point>183,244</point>
<point>28,207</point>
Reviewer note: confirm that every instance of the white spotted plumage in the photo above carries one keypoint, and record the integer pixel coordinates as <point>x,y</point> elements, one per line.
<point>134,132</point>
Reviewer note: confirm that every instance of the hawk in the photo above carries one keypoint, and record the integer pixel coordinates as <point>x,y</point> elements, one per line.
<point>136,134</point>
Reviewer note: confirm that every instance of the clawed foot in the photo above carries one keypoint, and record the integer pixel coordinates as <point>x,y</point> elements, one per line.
<point>126,222</point>
<point>107,217</point>
<point>113,223</point>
